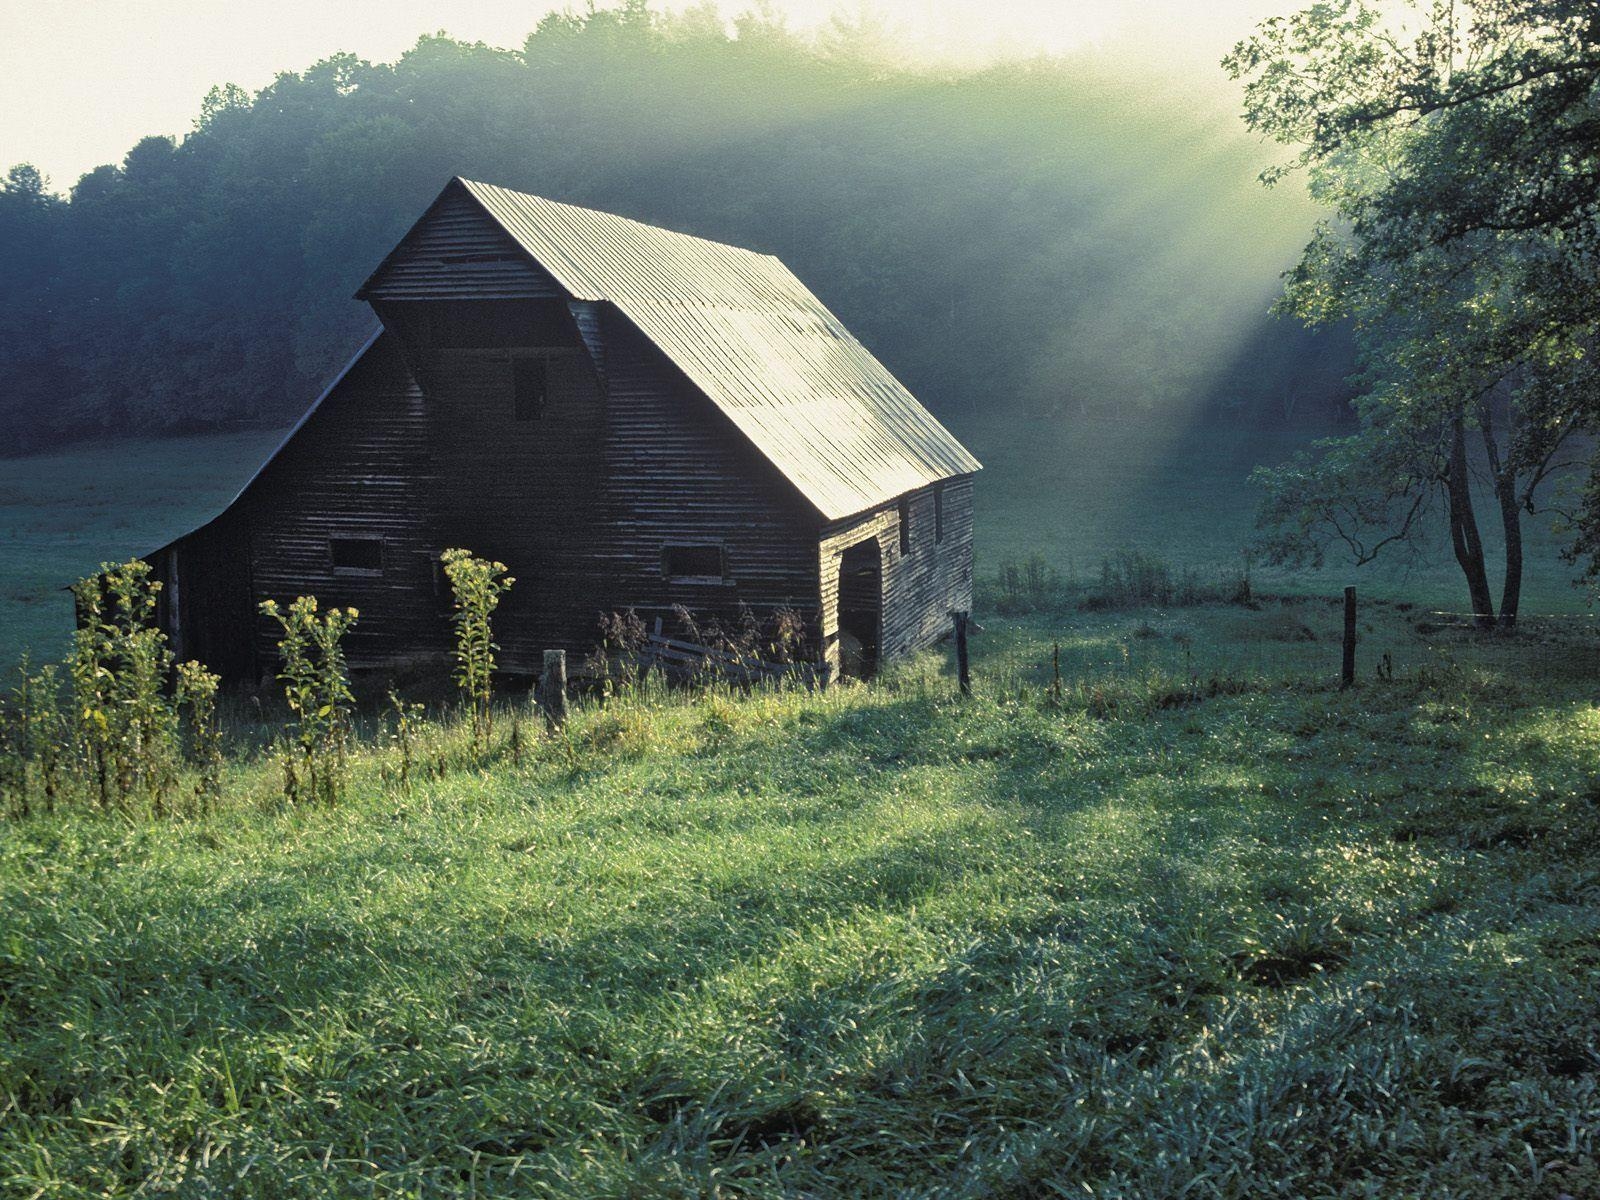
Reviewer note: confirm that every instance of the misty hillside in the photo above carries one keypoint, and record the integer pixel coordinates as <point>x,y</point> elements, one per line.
<point>1058,237</point>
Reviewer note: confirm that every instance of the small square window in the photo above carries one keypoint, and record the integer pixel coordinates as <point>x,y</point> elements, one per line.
<point>704,561</point>
<point>905,525</point>
<point>357,556</point>
<point>528,388</point>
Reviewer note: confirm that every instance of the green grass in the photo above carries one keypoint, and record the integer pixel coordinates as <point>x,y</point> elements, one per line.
<point>1078,489</point>
<point>1209,927</point>
<point>1071,489</point>
<point>63,514</point>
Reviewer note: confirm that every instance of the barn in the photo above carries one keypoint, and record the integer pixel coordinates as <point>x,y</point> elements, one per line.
<point>628,417</point>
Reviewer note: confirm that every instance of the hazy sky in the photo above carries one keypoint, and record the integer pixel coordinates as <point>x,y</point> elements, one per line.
<point>82,80</point>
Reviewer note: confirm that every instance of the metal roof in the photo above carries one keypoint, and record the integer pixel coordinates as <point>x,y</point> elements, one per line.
<point>755,340</point>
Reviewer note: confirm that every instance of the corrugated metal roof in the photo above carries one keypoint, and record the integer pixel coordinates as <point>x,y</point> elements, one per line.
<point>755,340</point>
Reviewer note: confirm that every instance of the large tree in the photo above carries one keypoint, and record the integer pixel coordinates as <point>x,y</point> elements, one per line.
<point>1457,145</point>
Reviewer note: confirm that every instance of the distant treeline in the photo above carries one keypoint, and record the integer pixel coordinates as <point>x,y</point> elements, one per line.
<point>1057,235</point>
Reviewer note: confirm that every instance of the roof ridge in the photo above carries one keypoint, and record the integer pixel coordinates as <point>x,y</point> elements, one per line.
<point>473,185</point>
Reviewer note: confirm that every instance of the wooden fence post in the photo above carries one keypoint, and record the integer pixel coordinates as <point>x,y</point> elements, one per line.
<point>1347,674</point>
<point>963,675</point>
<point>553,688</point>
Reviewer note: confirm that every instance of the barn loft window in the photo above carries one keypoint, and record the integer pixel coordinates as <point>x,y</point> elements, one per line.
<point>905,525</point>
<point>357,555</point>
<point>938,513</point>
<point>528,388</point>
<point>703,561</point>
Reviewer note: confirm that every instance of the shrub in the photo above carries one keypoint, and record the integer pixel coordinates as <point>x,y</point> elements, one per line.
<point>1134,579</point>
<point>316,687</point>
<point>126,723</point>
<point>408,719</point>
<point>197,692</point>
<point>477,585</point>
<point>31,734</point>
<point>615,661</point>
<point>1027,585</point>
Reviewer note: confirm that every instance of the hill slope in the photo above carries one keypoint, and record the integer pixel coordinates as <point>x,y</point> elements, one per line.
<point>1283,940</point>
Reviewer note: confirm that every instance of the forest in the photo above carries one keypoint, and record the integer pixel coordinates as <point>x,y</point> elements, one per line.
<point>1059,236</point>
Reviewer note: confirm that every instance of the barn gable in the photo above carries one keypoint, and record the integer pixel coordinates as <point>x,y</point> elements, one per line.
<point>739,325</point>
<point>453,252</point>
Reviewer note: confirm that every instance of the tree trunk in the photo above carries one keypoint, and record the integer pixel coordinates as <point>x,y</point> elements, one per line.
<point>1511,519</point>
<point>1464,537</point>
<point>1505,492</point>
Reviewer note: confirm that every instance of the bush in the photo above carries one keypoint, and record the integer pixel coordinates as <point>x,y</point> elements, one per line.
<point>127,725</point>
<point>1134,579</point>
<point>1027,585</point>
<point>477,585</point>
<point>316,687</point>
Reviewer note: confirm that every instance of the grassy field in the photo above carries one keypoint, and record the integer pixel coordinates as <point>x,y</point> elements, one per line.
<point>1071,490</point>
<point>1077,489</point>
<point>63,514</point>
<point>1208,927</point>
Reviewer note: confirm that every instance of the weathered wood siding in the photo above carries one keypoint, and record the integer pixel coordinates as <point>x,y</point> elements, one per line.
<point>921,588</point>
<point>207,603</point>
<point>677,471</point>
<point>361,467</point>
<point>455,251</point>
<point>525,492</point>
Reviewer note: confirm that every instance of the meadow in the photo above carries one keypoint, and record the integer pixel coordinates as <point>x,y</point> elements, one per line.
<point>1073,491</point>
<point>1204,925</point>
<point>64,513</point>
<point>1194,922</point>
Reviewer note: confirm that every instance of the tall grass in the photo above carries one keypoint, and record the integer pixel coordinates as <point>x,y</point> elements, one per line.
<point>876,941</point>
<point>1126,579</point>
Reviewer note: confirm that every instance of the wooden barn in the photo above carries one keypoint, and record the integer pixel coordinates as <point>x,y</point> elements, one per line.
<point>629,418</point>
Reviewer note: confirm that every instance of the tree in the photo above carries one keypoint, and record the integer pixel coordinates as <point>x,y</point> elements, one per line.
<point>1458,147</point>
<point>205,282</point>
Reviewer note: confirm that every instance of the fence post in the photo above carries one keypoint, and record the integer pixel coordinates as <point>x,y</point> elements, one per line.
<point>1347,674</point>
<point>963,675</point>
<point>553,688</point>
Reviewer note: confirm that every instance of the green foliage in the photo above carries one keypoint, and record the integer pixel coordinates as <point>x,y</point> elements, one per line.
<point>867,942</point>
<point>33,733</point>
<point>127,726</point>
<point>1451,142</point>
<point>1027,585</point>
<point>407,717</point>
<point>1127,579</point>
<point>316,688</point>
<point>477,586</point>
<point>196,692</point>
<point>973,227</point>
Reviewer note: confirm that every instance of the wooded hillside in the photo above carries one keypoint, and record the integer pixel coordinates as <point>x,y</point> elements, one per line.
<point>1059,234</point>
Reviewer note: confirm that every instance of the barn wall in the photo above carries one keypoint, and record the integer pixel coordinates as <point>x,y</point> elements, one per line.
<point>455,251</point>
<point>921,588</point>
<point>206,605</point>
<point>360,467</point>
<point>525,492</point>
<point>678,471</point>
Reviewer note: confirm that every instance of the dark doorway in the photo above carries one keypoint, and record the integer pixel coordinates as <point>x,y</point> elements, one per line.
<point>860,610</point>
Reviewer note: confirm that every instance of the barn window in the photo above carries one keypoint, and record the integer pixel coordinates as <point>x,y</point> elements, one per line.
<point>357,555</point>
<point>688,561</point>
<point>905,525</point>
<point>528,387</point>
<point>938,513</point>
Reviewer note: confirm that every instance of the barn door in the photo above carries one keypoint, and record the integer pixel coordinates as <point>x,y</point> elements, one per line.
<point>860,609</point>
